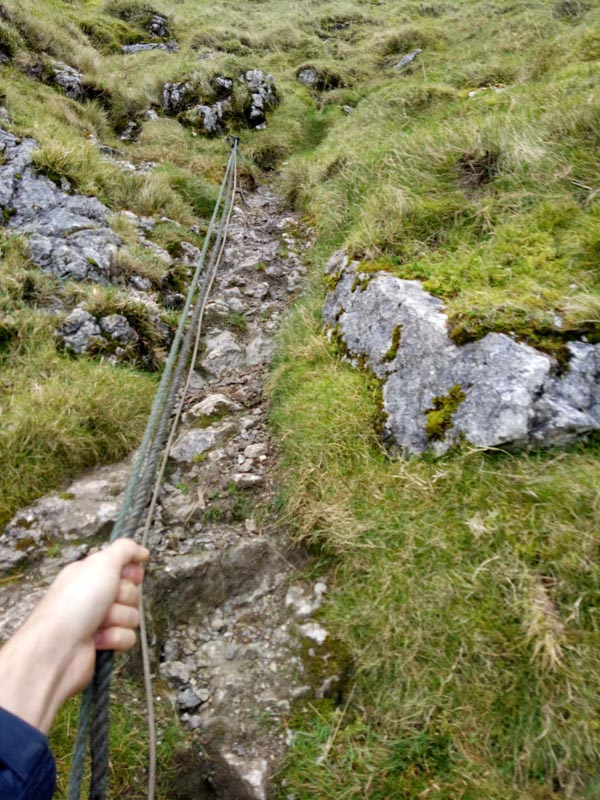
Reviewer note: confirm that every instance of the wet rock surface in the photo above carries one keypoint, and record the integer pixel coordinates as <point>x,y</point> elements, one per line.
<point>233,622</point>
<point>494,392</point>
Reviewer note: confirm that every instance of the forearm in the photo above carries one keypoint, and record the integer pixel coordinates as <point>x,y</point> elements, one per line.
<point>31,675</point>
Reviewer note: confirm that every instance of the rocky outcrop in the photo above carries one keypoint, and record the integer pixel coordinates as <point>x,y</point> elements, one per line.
<point>408,59</point>
<point>131,49</point>
<point>69,79</point>
<point>83,333</point>
<point>211,109</point>
<point>263,96</point>
<point>177,96</point>
<point>494,392</point>
<point>68,233</point>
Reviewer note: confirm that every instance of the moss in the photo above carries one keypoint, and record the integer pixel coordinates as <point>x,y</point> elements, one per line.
<point>327,668</point>
<point>25,543</point>
<point>360,282</point>
<point>237,321</point>
<point>395,345</point>
<point>67,496</point>
<point>439,417</point>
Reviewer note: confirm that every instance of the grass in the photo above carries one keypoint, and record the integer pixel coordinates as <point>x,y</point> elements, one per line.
<point>465,588</point>
<point>128,743</point>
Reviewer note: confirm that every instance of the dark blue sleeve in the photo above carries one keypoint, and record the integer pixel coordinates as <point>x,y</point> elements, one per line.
<point>27,768</point>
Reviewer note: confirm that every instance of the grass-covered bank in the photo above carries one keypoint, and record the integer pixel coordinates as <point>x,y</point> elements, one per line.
<point>466,589</point>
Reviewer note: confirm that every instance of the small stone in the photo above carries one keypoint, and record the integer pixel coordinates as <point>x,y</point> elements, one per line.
<point>79,331</point>
<point>188,699</point>
<point>314,631</point>
<point>213,404</point>
<point>247,480</point>
<point>69,79</point>
<point>308,76</point>
<point>223,354</point>
<point>119,329</point>
<point>192,444</point>
<point>408,59</point>
<point>176,670</point>
<point>255,450</point>
<point>230,652</point>
<point>140,283</point>
<point>217,623</point>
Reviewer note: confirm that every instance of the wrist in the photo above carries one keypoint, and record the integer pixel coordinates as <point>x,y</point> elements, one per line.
<point>31,674</point>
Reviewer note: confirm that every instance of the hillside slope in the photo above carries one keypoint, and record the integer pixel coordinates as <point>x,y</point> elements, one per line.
<point>452,143</point>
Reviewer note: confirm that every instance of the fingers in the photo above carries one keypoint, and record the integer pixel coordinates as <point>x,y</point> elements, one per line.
<point>121,616</point>
<point>120,639</point>
<point>123,552</point>
<point>133,572</point>
<point>128,594</point>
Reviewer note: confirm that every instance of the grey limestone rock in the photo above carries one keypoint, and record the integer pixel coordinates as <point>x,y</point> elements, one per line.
<point>263,93</point>
<point>223,354</point>
<point>176,96</point>
<point>259,350</point>
<point>308,76</point>
<point>188,699</point>
<point>213,404</point>
<point>86,511</point>
<point>118,328</point>
<point>223,85</point>
<point>69,79</point>
<point>194,442</point>
<point>209,118</point>
<point>158,26</point>
<point>130,49</point>
<point>68,233</point>
<point>408,59</point>
<point>507,394</point>
<point>79,330</point>
<point>189,253</point>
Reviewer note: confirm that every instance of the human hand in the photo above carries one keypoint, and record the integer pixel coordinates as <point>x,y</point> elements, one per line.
<point>92,605</point>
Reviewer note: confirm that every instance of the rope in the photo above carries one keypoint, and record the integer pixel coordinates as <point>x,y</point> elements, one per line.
<point>199,308</point>
<point>95,701</point>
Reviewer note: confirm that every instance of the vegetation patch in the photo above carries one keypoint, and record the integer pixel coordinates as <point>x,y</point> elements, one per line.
<point>439,417</point>
<point>395,344</point>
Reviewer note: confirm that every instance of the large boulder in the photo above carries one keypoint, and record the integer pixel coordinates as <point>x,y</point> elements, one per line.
<point>494,392</point>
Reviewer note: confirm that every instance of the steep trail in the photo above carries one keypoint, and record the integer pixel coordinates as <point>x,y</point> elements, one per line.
<point>231,620</point>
